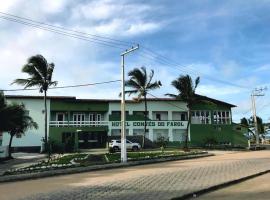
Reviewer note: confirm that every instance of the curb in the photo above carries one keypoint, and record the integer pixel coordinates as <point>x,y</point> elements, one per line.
<point>75,170</point>
<point>196,194</point>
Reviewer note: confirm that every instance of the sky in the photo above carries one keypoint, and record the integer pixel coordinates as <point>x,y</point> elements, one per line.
<point>225,42</point>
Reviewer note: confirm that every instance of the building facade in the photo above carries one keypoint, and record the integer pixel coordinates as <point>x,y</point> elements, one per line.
<point>87,123</point>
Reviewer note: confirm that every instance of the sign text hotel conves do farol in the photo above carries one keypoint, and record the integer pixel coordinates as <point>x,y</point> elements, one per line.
<point>181,124</point>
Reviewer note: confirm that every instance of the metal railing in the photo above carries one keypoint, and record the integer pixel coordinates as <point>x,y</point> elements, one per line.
<point>78,123</point>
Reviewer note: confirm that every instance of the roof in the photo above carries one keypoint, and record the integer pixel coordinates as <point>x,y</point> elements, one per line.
<point>214,100</point>
<point>73,98</point>
<point>37,97</point>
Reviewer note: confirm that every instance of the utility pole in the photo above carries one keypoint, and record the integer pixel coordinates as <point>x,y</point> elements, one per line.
<point>256,93</point>
<point>123,106</point>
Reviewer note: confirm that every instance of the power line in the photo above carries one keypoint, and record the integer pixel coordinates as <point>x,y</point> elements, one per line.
<point>67,29</point>
<point>167,102</point>
<point>161,59</point>
<point>111,42</point>
<point>61,87</point>
<point>63,33</point>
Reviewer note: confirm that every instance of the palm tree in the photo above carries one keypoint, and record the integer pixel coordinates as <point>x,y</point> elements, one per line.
<point>141,83</point>
<point>19,122</point>
<point>186,92</point>
<point>40,75</point>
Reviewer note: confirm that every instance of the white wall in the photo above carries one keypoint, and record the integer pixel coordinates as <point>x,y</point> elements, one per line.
<point>32,137</point>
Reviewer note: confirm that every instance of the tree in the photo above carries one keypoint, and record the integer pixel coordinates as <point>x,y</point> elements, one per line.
<point>19,122</point>
<point>14,119</point>
<point>244,121</point>
<point>40,75</point>
<point>186,92</point>
<point>141,83</point>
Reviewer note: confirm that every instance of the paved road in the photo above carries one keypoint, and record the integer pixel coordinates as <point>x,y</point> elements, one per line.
<point>155,181</point>
<point>253,189</point>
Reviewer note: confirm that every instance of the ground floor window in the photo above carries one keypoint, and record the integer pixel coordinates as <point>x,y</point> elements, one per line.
<point>117,132</point>
<point>92,139</point>
<point>178,135</point>
<point>157,133</point>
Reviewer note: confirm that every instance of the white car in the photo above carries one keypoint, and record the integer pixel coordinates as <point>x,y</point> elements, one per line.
<point>116,145</point>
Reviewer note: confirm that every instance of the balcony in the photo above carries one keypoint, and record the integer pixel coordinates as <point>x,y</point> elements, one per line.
<point>79,123</point>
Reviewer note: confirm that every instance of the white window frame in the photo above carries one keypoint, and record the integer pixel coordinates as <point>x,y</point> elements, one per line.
<point>222,117</point>
<point>76,115</point>
<point>201,117</point>
<point>60,113</point>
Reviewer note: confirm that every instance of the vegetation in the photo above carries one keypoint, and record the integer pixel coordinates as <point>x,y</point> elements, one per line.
<point>141,83</point>
<point>162,142</point>
<point>83,159</point>
<point>186,92</point>
<point>14,120</point>
<point>40,75</point>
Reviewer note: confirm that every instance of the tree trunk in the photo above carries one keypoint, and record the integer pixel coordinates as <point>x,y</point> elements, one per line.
<point>145,120</point>
<point>188,125</point>
<point>46,133</point>
<point>9,145</point>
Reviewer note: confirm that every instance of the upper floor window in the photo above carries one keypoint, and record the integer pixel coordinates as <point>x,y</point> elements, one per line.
<point>60,117</point>
<point>118,113</point>
<point>94,117</point>
<point>160,115</point>
<point>140,113</point>
<point>78,118</point>
<point>181,116</point>
<point>200,117</point>
<point>222,117</point>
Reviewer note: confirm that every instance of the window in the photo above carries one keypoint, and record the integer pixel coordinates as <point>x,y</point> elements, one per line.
<point>139,113</point>
<point>158,116</point>
<point>116,112</point>
<point>200,117</point>
<point>60,117</point>
<point>78,118</point>
<point>222,117</point>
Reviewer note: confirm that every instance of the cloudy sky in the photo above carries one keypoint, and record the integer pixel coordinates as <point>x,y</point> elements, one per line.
<point>226,43</point>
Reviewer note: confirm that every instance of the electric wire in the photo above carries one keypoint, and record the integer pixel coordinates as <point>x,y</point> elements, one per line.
<point>110,42</point>
<point>62,87</point>
<point>172,104</point>
<point>85,38</point>
<point>67,29</point>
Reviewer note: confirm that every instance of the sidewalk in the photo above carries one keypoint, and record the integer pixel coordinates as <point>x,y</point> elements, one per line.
<point>20,160</point>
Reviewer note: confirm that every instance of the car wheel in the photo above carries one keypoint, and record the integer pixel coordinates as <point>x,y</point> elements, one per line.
<point>135,148</point>
<point>116,148</point>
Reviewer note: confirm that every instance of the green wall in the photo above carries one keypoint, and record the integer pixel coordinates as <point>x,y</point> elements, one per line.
<point>75,105</point>
<point>222,133</point>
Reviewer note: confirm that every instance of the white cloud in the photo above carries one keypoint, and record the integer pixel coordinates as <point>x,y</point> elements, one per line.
<point>119,18</point>
<point>7,5</point>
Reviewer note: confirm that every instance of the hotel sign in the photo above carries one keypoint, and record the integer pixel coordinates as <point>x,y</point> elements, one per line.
<point>149,124</point>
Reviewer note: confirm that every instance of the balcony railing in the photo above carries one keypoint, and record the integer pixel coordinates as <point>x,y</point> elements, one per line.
<point>78,123</point>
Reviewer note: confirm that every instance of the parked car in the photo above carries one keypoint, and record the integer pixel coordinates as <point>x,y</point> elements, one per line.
<point>116,145</point>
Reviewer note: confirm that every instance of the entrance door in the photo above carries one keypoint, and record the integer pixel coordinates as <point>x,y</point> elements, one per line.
<point>89,140</point>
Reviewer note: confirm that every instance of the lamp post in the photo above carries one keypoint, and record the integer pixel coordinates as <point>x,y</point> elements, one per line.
<point>123,105</point>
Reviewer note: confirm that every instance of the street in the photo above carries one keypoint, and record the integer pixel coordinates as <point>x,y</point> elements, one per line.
<point>156,181</point>
<point>254,189</point>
